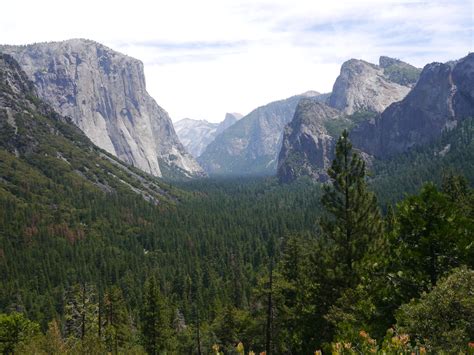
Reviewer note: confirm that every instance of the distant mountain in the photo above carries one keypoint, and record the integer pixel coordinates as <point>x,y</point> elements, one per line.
<point>104,93</point>
<point>443,96</point>
<point>363,86</point>
<point>44,156</point>
<point>229,120</point>
<point>360,92</point>
<point>251,146</point>
<point>196,135</point>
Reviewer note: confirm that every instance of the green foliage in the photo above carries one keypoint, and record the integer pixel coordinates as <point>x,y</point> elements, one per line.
<point>14,329</point>
<point>336,127</point>
<point>354,219</point>
<point>402,73</point>
<point>155,320</point>
<point>431,238</point>
<point>442,320</point>
<point>452,153</point>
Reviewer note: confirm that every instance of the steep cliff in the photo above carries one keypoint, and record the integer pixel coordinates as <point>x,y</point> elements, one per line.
<point>251,146</point>
<point>363,86</point>
<point>104,93</point>
<point>442,97</point>
<point>307,148</point>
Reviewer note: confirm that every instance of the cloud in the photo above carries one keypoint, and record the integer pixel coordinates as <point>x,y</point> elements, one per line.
<point>204,58</point>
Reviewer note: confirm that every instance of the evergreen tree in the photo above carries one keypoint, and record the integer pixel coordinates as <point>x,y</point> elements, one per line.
<point>155,325</point>
<point>353,218</point>
<point>117,321</point>
<point>81,312</point>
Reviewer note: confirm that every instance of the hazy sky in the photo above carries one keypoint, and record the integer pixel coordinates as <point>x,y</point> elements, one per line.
<point>207,57</point>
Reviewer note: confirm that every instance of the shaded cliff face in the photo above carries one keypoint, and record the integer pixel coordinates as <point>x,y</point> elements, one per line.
<point>362,86</point>
<point>251,146</point>
<point>308,147</point>
<point>104,93</point>
<point>443,96</point>
<point>196,135</point>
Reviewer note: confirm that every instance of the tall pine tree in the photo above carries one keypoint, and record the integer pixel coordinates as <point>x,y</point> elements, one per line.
<point>353,218</point>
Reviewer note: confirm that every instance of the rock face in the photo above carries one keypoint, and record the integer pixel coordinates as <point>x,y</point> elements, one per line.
<point>251,146</point>
<point>104,93</point>
<point>362,86</point>
<point>196,135</point>
<point>360,92</point>
<point>39,141</point>
<point>443,95</point>
<point>307,148</point>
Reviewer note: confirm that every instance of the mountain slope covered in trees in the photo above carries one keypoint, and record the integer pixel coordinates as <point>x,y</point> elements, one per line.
<point>96,257</point>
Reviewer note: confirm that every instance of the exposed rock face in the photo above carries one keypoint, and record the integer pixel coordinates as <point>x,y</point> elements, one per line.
<point>307,148</point>
<point>196,135</point>
<point>251,146</point>
<point>39,140</point>
<point>104,93</point>
<point>443,95</point>
<point>362,86</point>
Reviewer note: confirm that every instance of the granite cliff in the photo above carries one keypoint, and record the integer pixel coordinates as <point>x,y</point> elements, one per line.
<point>443,96</point>
<point>363,86</point>
<point>104,93</point>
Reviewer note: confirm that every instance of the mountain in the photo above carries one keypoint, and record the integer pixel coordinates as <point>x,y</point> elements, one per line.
<point>359,93</point>
<point>196,135</point>
<point>363,86</point>
<point>307,148</point>
<point>105,95</point>
<point>442,97</point>
<point>229,120</point>
<point>251,146</point>
<point>45,158</point>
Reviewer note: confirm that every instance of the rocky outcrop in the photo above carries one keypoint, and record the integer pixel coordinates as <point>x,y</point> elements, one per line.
<point>443,95</point>
<point>104,93</point>
<point>196,135</point>
<point>362,86</point>
<point>251,146</point>
<point>308,147</point>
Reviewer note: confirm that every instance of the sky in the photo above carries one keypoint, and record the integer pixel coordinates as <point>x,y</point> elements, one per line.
<point>204,58</point>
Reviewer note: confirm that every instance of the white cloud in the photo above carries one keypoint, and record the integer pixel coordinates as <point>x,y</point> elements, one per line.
<point>204,58</point>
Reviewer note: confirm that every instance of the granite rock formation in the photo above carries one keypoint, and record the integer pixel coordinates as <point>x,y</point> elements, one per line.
<point>105,95</point>
<point>442,97</point>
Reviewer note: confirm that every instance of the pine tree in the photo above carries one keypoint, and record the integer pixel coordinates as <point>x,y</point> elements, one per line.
<point>117,324</point>
<point>154,319</point>
<point>354,219</point>
<point>81,311</point>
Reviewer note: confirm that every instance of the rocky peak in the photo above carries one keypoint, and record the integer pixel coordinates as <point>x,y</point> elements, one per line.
<point>229,120</point>
<point>196,135</point>
<point>105,95</point>
<point>442,96</point>
<point>363,86</point>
